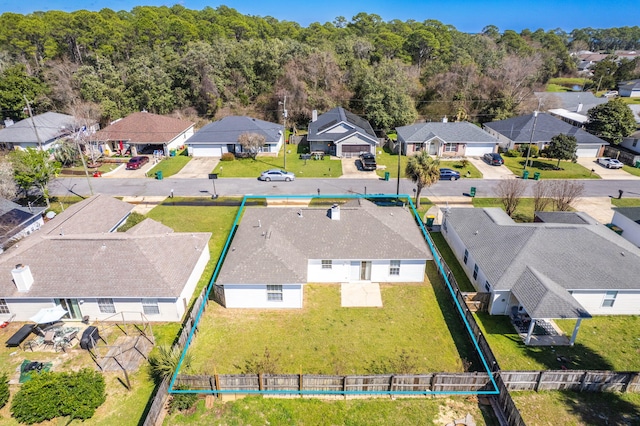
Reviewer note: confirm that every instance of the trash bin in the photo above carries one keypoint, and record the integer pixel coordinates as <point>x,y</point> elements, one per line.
<point>386,176</point>
<point>159,175</point>
<point>536,176</point>
<point>637,164</point>
<point>172,153</point>
<point>525,174</point>
<point>472,192</point>
<point>89,338</point>
<point>430,220</point>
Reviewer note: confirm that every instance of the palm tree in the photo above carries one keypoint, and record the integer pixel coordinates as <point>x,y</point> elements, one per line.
<point>423,171</point>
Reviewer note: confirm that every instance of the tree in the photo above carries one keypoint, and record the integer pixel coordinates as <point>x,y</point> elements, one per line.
<point>8,188</point>
<point>165,361</point>
<point>564,193</point>
<point>510,192</point>
<point>251,143</point>
<point>541,195</point>
<point>34,168</point>
<point>562,147</point>
<point>423,171</point>
<point>611,121</point>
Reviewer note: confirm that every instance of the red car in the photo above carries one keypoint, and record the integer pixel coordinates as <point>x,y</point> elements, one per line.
<point>137,162</point>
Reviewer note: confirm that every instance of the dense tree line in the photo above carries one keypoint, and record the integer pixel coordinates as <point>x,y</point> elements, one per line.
<point>104,65</point>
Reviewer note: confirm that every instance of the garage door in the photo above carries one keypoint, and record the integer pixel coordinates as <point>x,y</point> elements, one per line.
<point>207,151</point>
<point>587,152</point>
<point>478,150</point>
<point>354,150</point>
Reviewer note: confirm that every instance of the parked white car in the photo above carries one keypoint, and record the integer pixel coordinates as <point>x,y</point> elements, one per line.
<point>610,163</point>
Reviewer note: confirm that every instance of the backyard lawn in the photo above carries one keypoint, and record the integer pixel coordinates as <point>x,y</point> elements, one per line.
<point>170,165</point>
<point>546,168</point>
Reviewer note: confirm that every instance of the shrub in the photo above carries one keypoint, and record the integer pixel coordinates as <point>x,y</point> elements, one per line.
<point>532,153</point>
<point>164,361</point>
<point>4,390</point>
<point>50,395</point>
<point>464,162</point>
<point>227,156</point>
<point>182,401</point>
<point>133,219</point>
<point>512,153</point>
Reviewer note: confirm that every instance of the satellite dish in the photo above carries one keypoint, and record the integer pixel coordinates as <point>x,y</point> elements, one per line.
<point>50,215</point>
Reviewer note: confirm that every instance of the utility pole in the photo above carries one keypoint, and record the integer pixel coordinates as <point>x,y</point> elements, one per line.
<point>284,125</point>
<point>399,154</point>
<point>33,123</point>
<point>535,119</point>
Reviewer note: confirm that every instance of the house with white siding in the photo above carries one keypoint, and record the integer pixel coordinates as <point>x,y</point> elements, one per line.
<point>628,220</point>
<point>287,248</point>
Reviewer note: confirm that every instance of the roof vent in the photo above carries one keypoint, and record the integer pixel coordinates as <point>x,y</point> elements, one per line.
<point>445,119</point>
<point>579,108</point>
<point>300,213</point>
<point>334,212</point>
<point>22,277</point>
<point>314,115</point>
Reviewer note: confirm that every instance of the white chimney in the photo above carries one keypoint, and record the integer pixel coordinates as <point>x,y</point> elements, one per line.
<point>579,108</point>
<point>314,115</point>
<point>22,277</point>
<point>334,213</point>
<point>445,119</point>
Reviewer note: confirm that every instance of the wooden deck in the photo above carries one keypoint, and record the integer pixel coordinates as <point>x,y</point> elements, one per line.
<point>128,352</point>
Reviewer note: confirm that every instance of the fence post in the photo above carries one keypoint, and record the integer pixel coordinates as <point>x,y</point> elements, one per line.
<point>583,379</point>
<point>538,381</point>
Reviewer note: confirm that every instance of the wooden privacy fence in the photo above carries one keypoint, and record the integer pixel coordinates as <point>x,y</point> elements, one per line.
<point>344,385</point>
<point>575,380</point>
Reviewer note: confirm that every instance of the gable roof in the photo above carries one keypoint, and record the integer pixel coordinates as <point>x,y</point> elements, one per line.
<point>334,117</point>
<point>571,101</point>
<point>143,127</point>
<point>278,242</point>
<point>455,132</point>
<point>629,85</point>
<point>96,214</point>
<point>518,129</point>
<point>50,126</point>
<point>228,129</point>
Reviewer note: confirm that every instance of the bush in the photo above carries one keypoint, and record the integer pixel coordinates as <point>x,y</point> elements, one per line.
<point>464,162</point>
<point>534,152</point>
<point>512,153</point>
<point>50,395</point>
<point>182,401</point>
<point>4,390</point>
<point>227,156</point>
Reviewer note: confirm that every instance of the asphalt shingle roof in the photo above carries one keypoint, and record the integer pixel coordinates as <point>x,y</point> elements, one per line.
<point>339,115</point>
<point>457,132</point>
<point>50,126</point>
<point>143,127</point>
<point>228,129</point>
<point>99,213</point>
<point>571,100</point>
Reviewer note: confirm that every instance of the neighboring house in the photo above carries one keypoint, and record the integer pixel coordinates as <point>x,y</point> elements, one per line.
<point>341,133</point>
<point>571,267</point>
<point>144,131</point>
<point>517,130</point>
<point>628,219</point>
<point>571,107</point>
<point>629,89</point>
<point>42,131</point>
<point>17,222</point>
<point>631,142</point>
<point>289,247</point>
<point>446,139</point>
<point>78,262</point>
<point>221,136</point>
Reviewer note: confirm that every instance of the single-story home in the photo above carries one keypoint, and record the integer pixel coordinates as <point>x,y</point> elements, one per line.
<point>222,136</point>
<point>341,133</point>
<point>571,107</point>
<point>76,261</point>
<point>42,131</point>
<point>276,251</point>
<point>629,89</point>
<point>17,222</point>
<point>631,142</point>
<point>144,132</point>
<point>628,220</point>
<point>446,139</point>
<point>518,130</point>
<point>564,267</point>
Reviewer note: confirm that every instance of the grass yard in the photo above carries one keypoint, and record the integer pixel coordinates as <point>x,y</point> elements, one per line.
<point>386,158</point>
<point>524,212</point>
<point>578,408</point>
<point>626,202</point>
<point>170,165</point>
<point>256,410</point>
<point>463,281</point>
<point>546,168</point>
<point>631,170</point>
<point>470,171</point>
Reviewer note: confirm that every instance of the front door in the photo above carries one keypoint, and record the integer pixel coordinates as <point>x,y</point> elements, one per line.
<point>72,307</point>
<point>365,271</point>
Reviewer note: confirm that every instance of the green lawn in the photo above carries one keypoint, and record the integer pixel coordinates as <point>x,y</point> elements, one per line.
<point>256,410</point>
<point>626,202</point>
<point>633,170</point>
<point>385,158</point>
<point>470,171</point>
<point>463,281</point>
<point>524,211</point>
<point>557,88</point>
<point>170,165</point>
<point>546,168</point>
<point>578,408</point>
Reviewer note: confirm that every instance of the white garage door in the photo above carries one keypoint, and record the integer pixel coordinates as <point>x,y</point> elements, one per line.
<point>478,150</point>
<point>207,151</point>
<point>587,152</point>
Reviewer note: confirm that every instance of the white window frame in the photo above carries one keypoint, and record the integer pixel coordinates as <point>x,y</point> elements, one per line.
<point>394,267</point>
<point>450,147</point>
<point>106,306</point>
<point>475,271</point>
<point>274,293</point>
<point>150,307</point>
<point>609,299</point>
<point>327,264</point>
<point>4,308</point>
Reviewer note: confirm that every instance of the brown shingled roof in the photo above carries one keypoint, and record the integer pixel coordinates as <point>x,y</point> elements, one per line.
<point>143,127</point>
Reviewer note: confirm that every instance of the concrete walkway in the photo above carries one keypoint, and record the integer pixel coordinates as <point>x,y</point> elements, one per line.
<point>591,163</point>
<point>198,167</point>
<point>360,294</point>
<point>144,204</point>
<point>599,208</point>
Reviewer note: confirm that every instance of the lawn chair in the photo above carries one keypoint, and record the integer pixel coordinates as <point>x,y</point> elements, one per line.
<point>49,337</point>
<point>64,341</point>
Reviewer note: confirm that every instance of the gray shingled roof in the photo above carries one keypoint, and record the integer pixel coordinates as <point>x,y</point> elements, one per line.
<point>632,213</point>
<point>278,242</point>
<point>461,132</point>
<point>99,213</point>
<point>575,257</point>
<point>571,100</point>
<point>50,126</point>
<point>335,116</point>
<point>228,129</point>
<point>564,217</point>
<point>518,130</point>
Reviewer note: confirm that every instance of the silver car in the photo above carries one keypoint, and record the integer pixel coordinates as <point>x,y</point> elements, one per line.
<point>276,174</point>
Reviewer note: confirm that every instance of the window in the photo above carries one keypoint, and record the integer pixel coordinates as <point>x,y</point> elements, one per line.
<point>487,286</point>
<point>4,309</point>
<point>609,299</point>
<point>394,267</point>
<point>327,264</point>
<point>466,256</point>
<point>475,271</point>
<point>274,293</point>
<point>635,142</point>
<point>419,146</point>
<point>106,306</point>
<point>150,306</point>
<point>450,147</point>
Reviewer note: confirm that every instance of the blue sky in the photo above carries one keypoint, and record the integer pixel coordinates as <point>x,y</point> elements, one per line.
<point>465,15</point>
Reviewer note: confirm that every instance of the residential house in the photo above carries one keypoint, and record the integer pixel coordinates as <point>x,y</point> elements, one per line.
<point>78,262</point>
<point>144,132</point>
<point>289,247</point>
<point>631,142</point>
<point>565,267</point>
<point>222,136</point>
<point>518,130</point>
<point>17,222</point>
<point>628,220</point>
<point>341,133</point>
<point>446,139</point>
<point>629,89</point>
<point>571,107</point>
<point>42,131</point>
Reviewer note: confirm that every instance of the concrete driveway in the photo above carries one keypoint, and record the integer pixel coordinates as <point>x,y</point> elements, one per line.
<point>122,172</point>
<point>491,172</point>
<point>350,170</point>
<point>198,167</point>
<point>591,163</point>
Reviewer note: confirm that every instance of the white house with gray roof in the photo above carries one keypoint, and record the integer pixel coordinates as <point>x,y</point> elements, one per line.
<point>628,219</point>
<point>341,133</point>
<point>550,270</point>
<point>571,107</point>
<point>221,136</point>
<point>276,251</point>
<point>17,222</point>
<point>78,262</point>
<point>42,131</point>
<point>446,139</point>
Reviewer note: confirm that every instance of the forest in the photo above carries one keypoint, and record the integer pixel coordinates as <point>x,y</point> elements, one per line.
<point>205,64</point>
